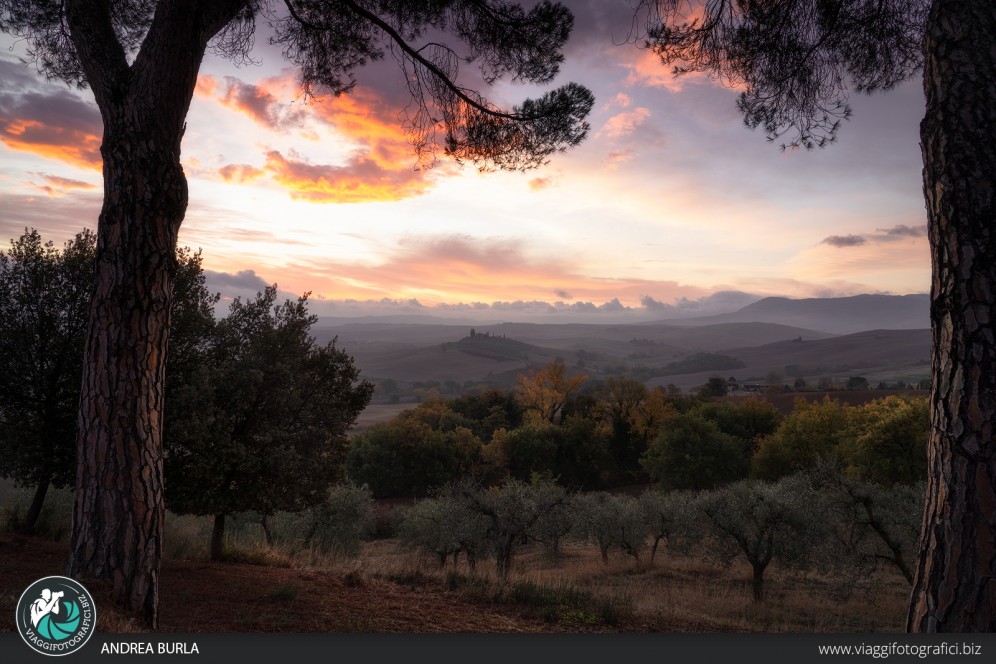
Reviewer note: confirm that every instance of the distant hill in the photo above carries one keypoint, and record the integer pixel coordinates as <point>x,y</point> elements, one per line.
<point>875,354</point>
<point>836,315</point>
<point>892,344</point>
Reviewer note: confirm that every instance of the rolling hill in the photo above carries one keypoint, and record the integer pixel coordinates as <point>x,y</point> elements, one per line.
<point>837,315</point>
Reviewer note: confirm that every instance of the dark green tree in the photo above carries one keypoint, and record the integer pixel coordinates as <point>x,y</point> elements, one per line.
<point>887,441</point>
<point>796,62</point>
<point>621,402</point>
<point>692,453</point>
<point>408,457</point>
<point>140,59</point>
<point>575,453</point>
<point>748,420</point>
<point>44,295</point>
<point>857,383</point>
<point>489,411</point>
<point>714,387</point>
<point>261,424</point>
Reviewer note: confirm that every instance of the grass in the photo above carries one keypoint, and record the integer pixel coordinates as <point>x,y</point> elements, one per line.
<point>677,594</point>
<point>575,592</point>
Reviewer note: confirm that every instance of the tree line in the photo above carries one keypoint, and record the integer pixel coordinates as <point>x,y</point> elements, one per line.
<point>257,413</point>
<point>819,519</point>
<point>619,432</point>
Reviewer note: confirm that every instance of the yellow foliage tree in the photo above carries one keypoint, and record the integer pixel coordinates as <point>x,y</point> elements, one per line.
<point>544,393</point>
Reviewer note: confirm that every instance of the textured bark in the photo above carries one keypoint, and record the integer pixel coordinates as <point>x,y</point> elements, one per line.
<point>218,538</point>
<point>34,509</point>
<point>955,580</point>
<point>117,527</point>
<point>119,508</point>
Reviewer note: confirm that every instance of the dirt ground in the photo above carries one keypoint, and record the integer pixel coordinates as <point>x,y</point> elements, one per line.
<point>231,597</point>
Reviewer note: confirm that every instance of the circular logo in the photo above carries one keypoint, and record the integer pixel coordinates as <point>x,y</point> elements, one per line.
<point>56,615</point>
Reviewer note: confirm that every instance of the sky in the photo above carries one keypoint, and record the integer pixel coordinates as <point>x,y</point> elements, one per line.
<point>671,207</point>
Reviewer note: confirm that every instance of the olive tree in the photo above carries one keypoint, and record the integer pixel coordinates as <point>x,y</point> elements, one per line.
<point>140,59</point>
<point>611,522</point>
<point>444,526</point>
<point>671,518</point>
<point>512,513</point>
<point>763,522</point>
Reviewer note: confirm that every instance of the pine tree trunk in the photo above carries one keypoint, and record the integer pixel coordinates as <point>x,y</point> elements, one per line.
<point>954,587</point>
<point>117,525</point>
<point>118,515</point>
<point>34,509</point>
<point>218,538</point>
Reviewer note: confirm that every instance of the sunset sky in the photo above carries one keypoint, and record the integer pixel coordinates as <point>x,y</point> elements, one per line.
<point>671,207</point>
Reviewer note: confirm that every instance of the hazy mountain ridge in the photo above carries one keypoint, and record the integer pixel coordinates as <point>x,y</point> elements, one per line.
<point>889,346</point>
<point>837,315</point>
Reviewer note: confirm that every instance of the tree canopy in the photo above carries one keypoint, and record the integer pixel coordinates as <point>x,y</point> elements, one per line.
<point>795,62</point>
<point>44,295</point>
<point>261,425</point>
<point>105,45</point>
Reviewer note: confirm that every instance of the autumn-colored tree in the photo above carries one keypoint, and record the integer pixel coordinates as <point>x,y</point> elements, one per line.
<point>544,392</point>
<point>813,431</point>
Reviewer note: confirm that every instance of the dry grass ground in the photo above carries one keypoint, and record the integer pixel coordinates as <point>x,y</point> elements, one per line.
<point>386,589</point>
<point>685,594</point>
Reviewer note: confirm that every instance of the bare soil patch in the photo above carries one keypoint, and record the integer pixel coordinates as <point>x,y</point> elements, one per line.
<point>230,597</point>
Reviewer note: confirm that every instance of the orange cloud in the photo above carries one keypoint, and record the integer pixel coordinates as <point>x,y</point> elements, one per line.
<point>73,147</point>
<point>361,180</point>
<point>538,184</point>
<point>381,166</point>
<point>59,186</point>
<point>648,70</point>
<point>362,115</point>
<point>261,102</point>
<point>52,123</point>
<point>464,269</point>
<point>616,157</point>
<point>366,118</point>
<point>240,173</point>
<point>623,124</point>
<point>621,100</point>
<point>207,86</point>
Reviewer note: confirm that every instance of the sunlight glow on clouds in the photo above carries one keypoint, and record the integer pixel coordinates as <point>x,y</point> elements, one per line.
<point>379,167</point>
<point>669,205</point>
<point>361,179</point>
